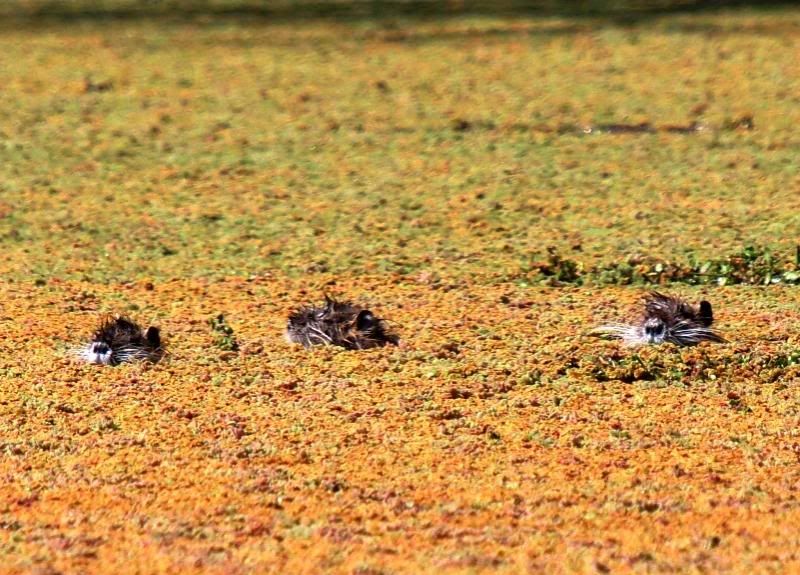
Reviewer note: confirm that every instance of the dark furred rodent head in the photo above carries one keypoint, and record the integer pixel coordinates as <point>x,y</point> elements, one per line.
<point>119,340</point>
<point>668,319</point>
<point>682,323</point>
<point>338,323</point>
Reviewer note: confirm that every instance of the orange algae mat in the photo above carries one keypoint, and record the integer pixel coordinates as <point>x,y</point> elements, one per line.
<point>499,437</point>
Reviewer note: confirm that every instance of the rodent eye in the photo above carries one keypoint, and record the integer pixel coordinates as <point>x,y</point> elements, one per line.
<point>365,320</point>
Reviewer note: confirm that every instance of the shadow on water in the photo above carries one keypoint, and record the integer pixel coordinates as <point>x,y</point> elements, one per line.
<point>32,12</point>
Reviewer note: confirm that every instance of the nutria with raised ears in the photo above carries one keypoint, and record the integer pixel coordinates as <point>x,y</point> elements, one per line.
<point>339,323</point>
<point>119,340</point>
<point>667,319</point>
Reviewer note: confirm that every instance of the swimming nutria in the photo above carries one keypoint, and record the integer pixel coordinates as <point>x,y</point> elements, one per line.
<point>338,323</point>
<point>120,339</point>
<point>667,319</point>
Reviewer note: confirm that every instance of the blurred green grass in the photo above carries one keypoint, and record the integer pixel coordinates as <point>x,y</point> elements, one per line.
<point>221,146</point>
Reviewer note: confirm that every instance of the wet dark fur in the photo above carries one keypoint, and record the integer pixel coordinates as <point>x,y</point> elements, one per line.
<point>338,323</point>
<point>125,340</point>
<point>668,319</point>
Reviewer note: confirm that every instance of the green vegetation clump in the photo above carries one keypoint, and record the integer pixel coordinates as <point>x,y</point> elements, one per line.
<point>754,265</point>
<point>224,337</point>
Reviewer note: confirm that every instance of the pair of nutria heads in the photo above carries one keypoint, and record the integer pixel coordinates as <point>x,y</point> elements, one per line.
<point>667,319</point>
<point>340,323</point>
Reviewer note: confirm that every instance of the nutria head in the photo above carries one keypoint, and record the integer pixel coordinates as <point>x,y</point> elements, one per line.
<point>667,319</point>
<point>338,323</point>
<point>120,340</point>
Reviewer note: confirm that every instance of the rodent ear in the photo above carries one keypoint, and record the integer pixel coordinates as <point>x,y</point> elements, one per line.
<point>153,336</point>
<point>365,320</point>
<point>706,315</point>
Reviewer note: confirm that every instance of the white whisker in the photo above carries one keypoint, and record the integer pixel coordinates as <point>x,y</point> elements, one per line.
<point>631,335</point>
<point>319,332</point>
